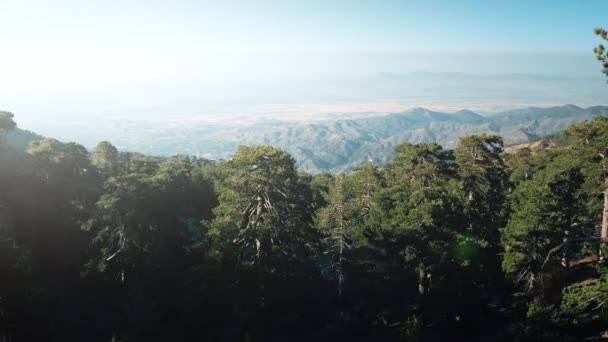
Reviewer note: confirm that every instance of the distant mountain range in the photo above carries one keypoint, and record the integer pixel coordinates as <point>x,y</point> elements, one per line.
<point>341,144</point>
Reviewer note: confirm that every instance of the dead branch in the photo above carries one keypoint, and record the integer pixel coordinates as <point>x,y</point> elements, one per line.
<point>565,243</point>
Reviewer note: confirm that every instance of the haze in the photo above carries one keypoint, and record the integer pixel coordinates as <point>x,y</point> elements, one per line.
<point>86,61</point>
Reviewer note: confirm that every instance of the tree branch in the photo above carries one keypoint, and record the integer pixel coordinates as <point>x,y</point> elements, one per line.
<point>565,243</point>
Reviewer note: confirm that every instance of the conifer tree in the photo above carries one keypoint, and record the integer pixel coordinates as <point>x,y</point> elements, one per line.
<point>484,182</point>
<point>600,51</point>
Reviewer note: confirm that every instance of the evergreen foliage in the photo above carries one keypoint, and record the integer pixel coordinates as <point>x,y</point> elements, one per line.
<point>461,245</point>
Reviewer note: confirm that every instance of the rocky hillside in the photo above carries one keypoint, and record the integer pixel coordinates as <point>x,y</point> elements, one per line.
<point>342,144</point>
<point>336,144</point>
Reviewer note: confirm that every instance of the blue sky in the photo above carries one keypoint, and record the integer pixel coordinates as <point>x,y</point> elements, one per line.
<point>74,55</point>
<point>514,26</point>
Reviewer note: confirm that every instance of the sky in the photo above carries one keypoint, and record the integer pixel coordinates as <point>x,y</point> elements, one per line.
<point>81,58</point>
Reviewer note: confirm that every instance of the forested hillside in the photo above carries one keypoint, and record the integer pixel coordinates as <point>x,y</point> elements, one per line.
<point>333,144</point>
<point>341,145</point>
<point>437,244</point>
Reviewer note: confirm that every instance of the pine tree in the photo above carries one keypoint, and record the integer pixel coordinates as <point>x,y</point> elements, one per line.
<point>589,144</point>
<point>105,158</point>
<point>600,50</point>
<point>416,221</point>
<point>7,124</point>
<point>334,223</point>
<point>484,183</point>
<point>544,211</point>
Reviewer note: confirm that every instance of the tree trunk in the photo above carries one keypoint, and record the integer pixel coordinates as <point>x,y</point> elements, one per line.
<point>604,232</point>
<point>532,283</point>
<point>341,251</point>
<point>422,281</point>
<point>340,281</point>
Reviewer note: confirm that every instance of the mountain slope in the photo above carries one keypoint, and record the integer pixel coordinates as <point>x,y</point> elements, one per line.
<point>342,144</point>
<point>336,144</point>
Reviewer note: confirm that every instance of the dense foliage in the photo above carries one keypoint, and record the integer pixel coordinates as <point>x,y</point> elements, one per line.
<point>463,244</point>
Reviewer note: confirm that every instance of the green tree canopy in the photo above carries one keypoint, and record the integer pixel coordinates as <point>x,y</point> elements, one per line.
<point>6,125</point>
<point>105,158</point>
<point>600,50</point>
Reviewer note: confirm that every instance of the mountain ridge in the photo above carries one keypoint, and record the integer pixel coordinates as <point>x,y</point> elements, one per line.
<point>340,144</point>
